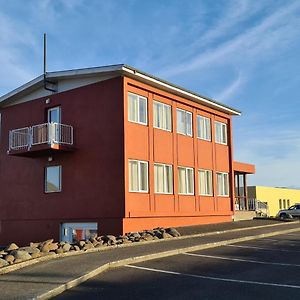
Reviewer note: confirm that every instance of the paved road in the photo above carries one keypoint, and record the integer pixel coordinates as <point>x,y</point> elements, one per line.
<point>260,269</point>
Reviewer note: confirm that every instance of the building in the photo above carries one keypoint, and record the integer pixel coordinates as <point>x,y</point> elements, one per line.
<point>112,149</point>
<point>275,197</point>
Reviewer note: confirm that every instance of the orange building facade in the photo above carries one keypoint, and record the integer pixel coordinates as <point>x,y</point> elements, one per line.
<point>173,153</point>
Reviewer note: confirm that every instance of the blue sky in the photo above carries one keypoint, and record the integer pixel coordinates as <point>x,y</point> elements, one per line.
<point>243,53</point>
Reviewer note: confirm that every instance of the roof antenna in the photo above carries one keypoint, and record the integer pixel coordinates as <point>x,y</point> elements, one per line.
<point>45,64</point>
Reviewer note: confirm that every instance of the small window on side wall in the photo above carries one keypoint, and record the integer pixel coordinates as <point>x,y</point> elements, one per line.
<point>53,179</point>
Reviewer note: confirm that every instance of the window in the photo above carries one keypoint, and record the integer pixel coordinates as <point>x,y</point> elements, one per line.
<point>163,179</point>
<point>138,176</point>
<point>184,122</point>
<point>288,203</point>
<point>162,116</point>
<point>53,179</point>
<point>185,181</point>
<point>222,184</point>
<point>284,203</point>
<point>280,204</point>
<point>54,115</point>
<point>137,109</point>
<point>220,133</point>
<point>203,128</point>
<point>205,182</point>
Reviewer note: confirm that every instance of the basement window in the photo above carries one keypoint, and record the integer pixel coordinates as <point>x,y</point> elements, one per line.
<point>53,179</point>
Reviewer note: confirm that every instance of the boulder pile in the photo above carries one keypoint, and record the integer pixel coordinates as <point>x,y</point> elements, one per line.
<point>13,254</point>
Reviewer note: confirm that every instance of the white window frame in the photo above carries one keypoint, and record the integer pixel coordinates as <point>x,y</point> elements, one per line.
<point>185,122</point>
<point>60,181</point>
<point>222,137</point>
<point>225,184</point>
<point>208,182</point>
<point>139,190</point>
<point>206,129</point>
<point>164,110</point>
<point>165,183</point>
<point>139,98</point>
<point>186,180</point>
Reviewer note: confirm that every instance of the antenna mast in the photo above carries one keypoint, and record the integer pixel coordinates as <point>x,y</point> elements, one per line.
<point>45,67</point>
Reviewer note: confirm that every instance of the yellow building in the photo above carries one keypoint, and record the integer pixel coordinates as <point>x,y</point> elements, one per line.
<point>276,198</point>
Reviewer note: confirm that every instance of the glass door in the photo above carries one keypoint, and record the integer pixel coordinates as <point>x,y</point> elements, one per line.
<point>54,120</point>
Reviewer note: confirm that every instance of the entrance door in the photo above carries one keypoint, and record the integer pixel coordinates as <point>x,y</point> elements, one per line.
<point>71,232</point>
<point>54,120</point>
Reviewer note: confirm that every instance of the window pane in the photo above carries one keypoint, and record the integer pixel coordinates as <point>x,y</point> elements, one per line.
<point>181,181</point>
<point>132,108</point>
<point>168,179</point>
<point>142,110</point>
<point>143,176</point>
<point>209,183</point>
<point>218,132</point>
<point>219,184</point>
<point>133,176</point>
<point>190,181</point>
<point>158,178</point>
<point>180,121</point>
<point>224,133</point>
<point>53,179</point>
<point>168,117</point>
<point>208,129</point>
<point>155,114</point>
<point>189,124</point>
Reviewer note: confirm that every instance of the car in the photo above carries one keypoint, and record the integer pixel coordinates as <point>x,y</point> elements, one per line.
<point>291,212</point>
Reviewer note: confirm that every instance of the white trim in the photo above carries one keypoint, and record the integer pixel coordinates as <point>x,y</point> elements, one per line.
<point>116,68</point>
<point>226,137</point>
<point>172,186</point>
<point>186,180</point>
<point>164,104</point>
<point>138,113</point>
<point>212,182</point>
<point>185,112</point>
<point>60,179</point>
<point>206,118</point>
<point>139,176</point>
<point>177,89</point>
<point>227,183</point>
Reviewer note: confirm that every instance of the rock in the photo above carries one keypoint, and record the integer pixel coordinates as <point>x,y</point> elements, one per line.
<point>30,250</point>
<point>59,251</point>
<point>3,263</point>
<point>109,239</point>
<point>22,255</point>
<point>76,248</point>
<point>173,232</point>
<point>2,252</point>
<point>66,247</point>
<point>11,247</point>
<point>45,248</point>
<point>166,235</point>
<point>88,246</point>
<point>81,244</point>
<point>36,255</point>
<point>147,237</point>
<point>47,242</point>
<point>52,246</point>
<point>34,245</point>
<point>158,234</point>
<point>9,258</point>
<point>18,260</point>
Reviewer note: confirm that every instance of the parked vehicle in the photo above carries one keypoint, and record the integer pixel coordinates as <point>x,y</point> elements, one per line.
<point>291,212</point>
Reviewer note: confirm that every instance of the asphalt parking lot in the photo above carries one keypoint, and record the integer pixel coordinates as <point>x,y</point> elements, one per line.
<point>258,269</point>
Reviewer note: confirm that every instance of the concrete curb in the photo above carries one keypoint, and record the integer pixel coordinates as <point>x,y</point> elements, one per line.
<point>137,259</point>
<point>15,267</point>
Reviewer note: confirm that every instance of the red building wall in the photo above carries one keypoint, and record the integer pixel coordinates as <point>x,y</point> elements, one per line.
<point>92,175</point>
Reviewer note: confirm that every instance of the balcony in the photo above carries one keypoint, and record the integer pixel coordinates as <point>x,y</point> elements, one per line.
<point>40,139</point>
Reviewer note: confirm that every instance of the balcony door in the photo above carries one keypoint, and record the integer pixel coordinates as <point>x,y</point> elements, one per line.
<point>54,120</point>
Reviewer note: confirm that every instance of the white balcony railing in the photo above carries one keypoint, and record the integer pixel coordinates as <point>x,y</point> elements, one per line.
<point>47,133</point>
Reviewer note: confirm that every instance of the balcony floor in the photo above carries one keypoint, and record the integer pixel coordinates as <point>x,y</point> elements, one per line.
<point>41,150</point>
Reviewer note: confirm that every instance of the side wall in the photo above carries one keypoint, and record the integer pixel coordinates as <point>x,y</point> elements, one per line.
<point>92,175</point>
<point>148,210</point>
<point>272,196</point>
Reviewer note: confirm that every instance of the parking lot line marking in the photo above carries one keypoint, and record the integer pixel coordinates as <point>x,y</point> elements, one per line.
<point>242,260</point>
<point>260,248</point>
<point>214,278</point>
<point>271,240</point>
